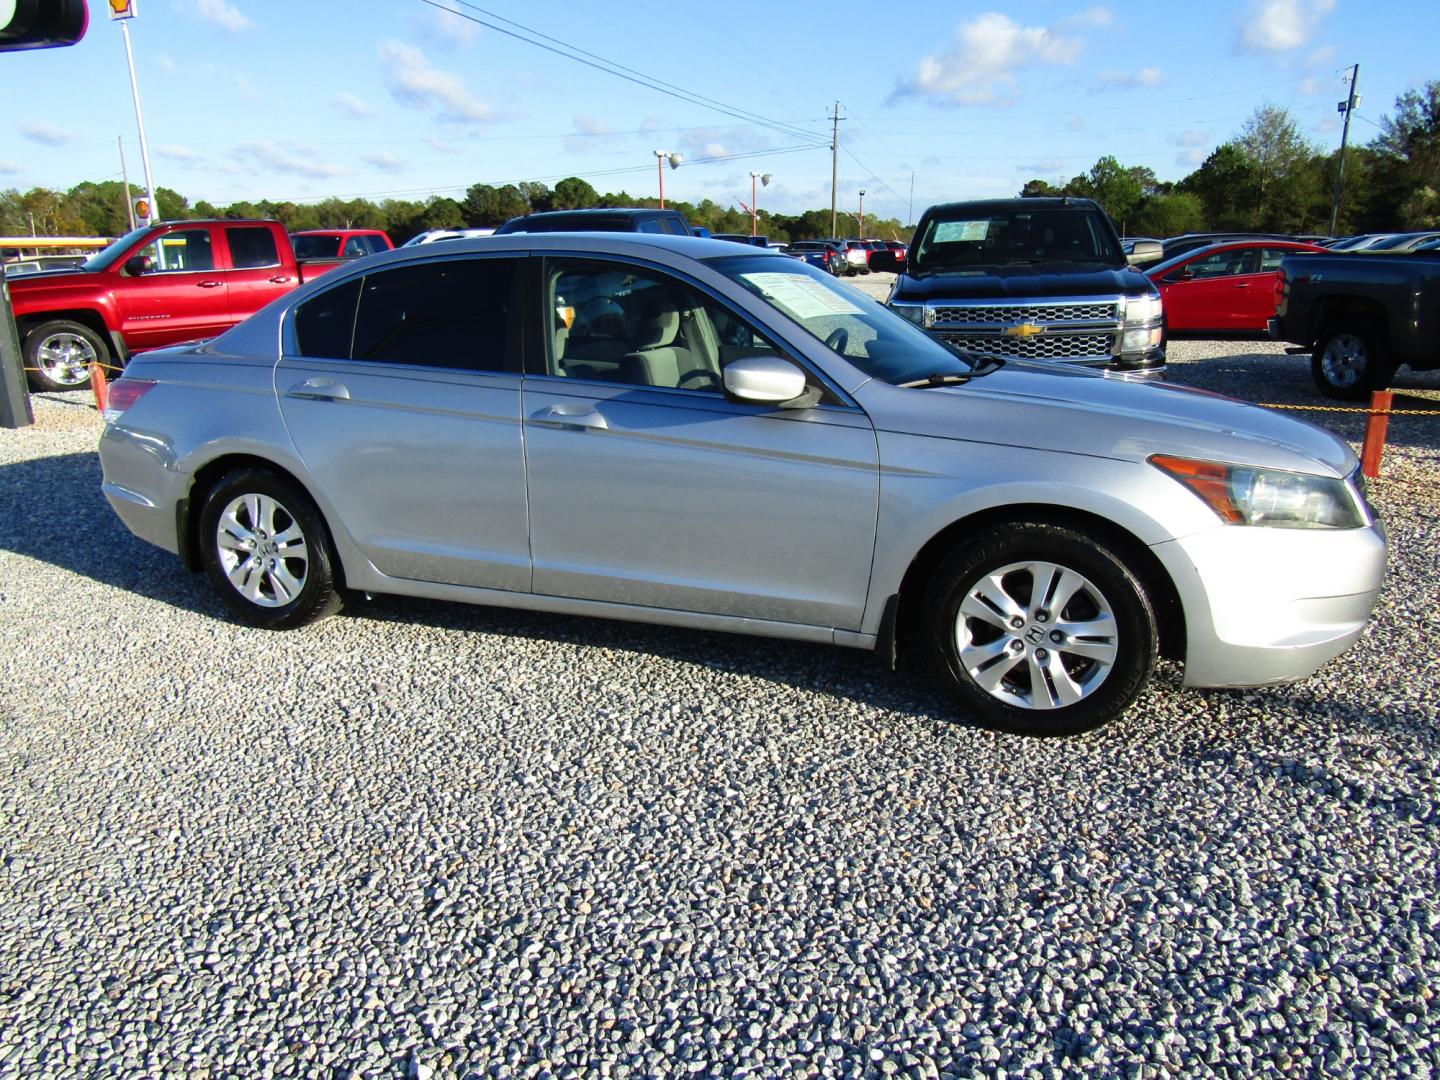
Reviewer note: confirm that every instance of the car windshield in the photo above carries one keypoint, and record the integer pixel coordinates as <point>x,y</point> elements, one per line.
<point>957,241</point>
<point>317,247</point>
<point>108,256</point>
<point>867,334</point>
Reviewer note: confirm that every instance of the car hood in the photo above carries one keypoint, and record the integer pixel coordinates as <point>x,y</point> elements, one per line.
<point>1020,282</point>
<point>52,281</point>
<point>1084,412</point>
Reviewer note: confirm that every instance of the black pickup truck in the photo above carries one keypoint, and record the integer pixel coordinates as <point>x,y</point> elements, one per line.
<point>1361,316</point>
<point>1031,279</point>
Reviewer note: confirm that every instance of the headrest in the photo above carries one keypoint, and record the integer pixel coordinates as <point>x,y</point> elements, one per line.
<point>659,322</point>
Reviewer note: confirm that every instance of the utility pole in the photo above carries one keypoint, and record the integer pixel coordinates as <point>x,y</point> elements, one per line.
<point>15,408</point>
<point>910,213</point>
<point>125,178</point>
<point>1347,107</point>
<point>834,167</point>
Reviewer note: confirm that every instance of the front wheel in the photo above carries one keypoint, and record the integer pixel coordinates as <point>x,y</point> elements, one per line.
<point>58,354</point>
<point>267,551</point>
<point>1040,630</point>
<point>1351,360</point>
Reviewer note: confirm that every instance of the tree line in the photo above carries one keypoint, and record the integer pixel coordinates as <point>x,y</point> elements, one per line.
<point>1267,178</point>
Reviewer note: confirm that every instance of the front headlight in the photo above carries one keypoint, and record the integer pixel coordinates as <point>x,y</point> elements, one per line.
<point>1140,310</point>
<point>1242,495</point>
<point>914,312</point>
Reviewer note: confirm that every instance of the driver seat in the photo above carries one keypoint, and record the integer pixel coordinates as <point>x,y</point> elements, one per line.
<point>657,359</point>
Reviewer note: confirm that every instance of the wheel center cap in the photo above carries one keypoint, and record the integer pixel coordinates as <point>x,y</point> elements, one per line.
<point>1034,635</point>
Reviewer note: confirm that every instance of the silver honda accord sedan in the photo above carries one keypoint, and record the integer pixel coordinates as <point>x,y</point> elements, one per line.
<point>672,430</point>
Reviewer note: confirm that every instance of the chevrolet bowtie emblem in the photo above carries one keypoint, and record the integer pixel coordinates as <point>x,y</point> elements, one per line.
<point>1024,330</point>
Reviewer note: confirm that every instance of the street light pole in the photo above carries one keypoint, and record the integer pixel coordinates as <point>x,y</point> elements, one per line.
<point>660,171</point>
<point>862,215</point>
<point>764,179</point>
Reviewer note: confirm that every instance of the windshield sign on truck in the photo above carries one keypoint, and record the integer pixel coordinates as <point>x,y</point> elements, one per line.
<point>947,232</point>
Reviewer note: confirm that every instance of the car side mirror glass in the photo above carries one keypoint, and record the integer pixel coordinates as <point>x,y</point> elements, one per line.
<point>768,380</point>
<point>1146,251</point>
<point>139,264</point>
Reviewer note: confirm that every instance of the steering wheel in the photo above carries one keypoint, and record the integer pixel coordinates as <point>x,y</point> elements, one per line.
<point>702,378</point>
<point>838,339</point>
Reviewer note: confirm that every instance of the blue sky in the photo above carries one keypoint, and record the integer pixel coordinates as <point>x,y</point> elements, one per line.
<point>311,98</point>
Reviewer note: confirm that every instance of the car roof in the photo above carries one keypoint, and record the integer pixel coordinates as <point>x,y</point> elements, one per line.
<point>1005,206</point>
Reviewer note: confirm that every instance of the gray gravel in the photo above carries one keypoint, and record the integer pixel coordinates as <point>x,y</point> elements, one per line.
<point>430,840</point>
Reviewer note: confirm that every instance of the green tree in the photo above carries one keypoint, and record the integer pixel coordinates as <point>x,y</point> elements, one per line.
<point>1040,189</point>
<point>487,206</point>
<point>1226,184</point>
<point>1409,155</point>
<point>539,196</point>
<point>1118,189</point>
<point>1169,215</point>
<point>573,193</point>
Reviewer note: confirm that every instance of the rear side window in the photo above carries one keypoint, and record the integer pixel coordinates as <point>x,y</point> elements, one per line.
<point>675,225</point>
<point>451,313</point>
<point>251,247</point>
<point>648,225</point>
<point>325,323</point>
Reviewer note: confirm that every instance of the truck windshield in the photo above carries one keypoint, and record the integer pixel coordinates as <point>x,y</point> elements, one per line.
<point>867,334</point>
<point>1014,238</point>
<point>106,257</point>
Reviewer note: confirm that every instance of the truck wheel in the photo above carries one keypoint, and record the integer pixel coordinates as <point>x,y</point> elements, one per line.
<point>1040,629</point>
<point>58,355</point>
<point>267,551</point>
<point>1350,360</point>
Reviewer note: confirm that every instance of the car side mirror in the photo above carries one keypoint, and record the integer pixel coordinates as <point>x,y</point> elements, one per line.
<point>768,380</point>
<point>1181,275</point>
<point>139,264</point>
<point>1146,251</point>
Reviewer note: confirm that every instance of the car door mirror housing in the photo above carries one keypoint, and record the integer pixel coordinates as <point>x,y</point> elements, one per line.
<point>139,264</point>
<point>768,380</point>
<point>1146,251</point>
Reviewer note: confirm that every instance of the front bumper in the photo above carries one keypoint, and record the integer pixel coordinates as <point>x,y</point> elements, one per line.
<point>1265,606</point>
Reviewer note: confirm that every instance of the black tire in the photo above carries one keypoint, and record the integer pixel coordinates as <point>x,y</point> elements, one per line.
<point>1100,693</point>
<point>55,350</point>
<point>276,605</point>
<point>1351,360</point>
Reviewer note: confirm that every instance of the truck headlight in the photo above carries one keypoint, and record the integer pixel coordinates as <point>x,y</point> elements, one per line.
<point>1140,310</point>
<point>1139,340</point>
<point>1242,495</point>
<point>914,312</point>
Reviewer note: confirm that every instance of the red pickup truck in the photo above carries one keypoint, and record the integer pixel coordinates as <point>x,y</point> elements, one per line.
<point>159,285</point>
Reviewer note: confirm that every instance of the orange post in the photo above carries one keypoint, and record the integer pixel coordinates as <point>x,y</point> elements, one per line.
<point>100,386</point>
<point>1376,425</point>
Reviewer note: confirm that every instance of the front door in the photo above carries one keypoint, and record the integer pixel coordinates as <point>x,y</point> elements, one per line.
<point>406,412</point>
<point>648,487</point>
<point>180,297</point>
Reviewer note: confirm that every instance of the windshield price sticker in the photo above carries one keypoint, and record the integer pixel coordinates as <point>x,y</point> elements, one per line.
<point>801,297</point>
<point>949,232</point>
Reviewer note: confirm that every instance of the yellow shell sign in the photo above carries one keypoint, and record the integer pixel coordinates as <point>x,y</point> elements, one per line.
<point>122,9</point>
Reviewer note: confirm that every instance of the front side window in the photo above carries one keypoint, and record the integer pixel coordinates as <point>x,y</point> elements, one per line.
<point>616,323</point>
<point>252,247</point>
<point>180,251</point>
<point>1221,264</point>
<point>448,313</point>
<point>872,337</point>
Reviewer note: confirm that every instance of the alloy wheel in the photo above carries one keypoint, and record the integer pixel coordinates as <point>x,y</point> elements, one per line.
<point>65,358</point>
<point>262,550</point>
<point>1344,361</point>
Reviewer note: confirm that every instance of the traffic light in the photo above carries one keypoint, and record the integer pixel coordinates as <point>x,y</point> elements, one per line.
<point>41,24</point>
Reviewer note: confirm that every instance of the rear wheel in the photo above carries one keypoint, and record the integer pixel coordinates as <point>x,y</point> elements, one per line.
<point>58,354</point>
<point>1351,360</point>
<point>1041,630</point>
<point>267,551</point>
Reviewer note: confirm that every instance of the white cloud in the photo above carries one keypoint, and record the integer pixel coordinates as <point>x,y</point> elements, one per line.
<point>1124,80</point>
<point>1192,158</point>
<point>347,102</point>
<point>222,14</point>
<point>979,67</point>
<point>1321,57</point>
<point>44,134</point>
<point>175,152</point>
<point>587,130</point>
<point>1096,16</point>
<point>416,83</point>
<point>246,88</point>
<point>9,168</point>
<point>296,159</point>
<point>720,142</point>
<point>1075,122</point>
<point>449,27</point>
<point>441,145</point>
<point>1192,137</point>
<point>1037,168</point>
<point>1282,25</point>
<point>384,162</point>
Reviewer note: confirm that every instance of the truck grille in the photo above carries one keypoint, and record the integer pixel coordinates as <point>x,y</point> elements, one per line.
<point>1098,347</point>
<point>1005,314</point>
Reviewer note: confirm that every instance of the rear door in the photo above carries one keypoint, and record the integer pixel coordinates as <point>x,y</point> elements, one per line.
<point>401,392</point>
<point>258,273</point>
<point>182,297</point>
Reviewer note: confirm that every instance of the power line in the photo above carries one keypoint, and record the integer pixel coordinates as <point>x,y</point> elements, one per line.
<point>610,67</point>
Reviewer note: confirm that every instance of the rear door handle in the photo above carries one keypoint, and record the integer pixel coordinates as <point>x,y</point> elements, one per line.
<point>319,390</point>
<point>571,416</point>
<point>209,284</point>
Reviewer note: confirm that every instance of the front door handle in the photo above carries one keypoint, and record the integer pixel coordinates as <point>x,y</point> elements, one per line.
<point>279,280</point>
<point>1242,284</point>
<point>576,416</point>
<point>319,390</point>
<point>209,284</point>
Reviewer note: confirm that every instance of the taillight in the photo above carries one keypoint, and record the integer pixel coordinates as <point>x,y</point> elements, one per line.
<point>124,393</point>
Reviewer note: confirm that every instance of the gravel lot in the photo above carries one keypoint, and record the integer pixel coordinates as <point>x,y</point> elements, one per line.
<point>423,839</point>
